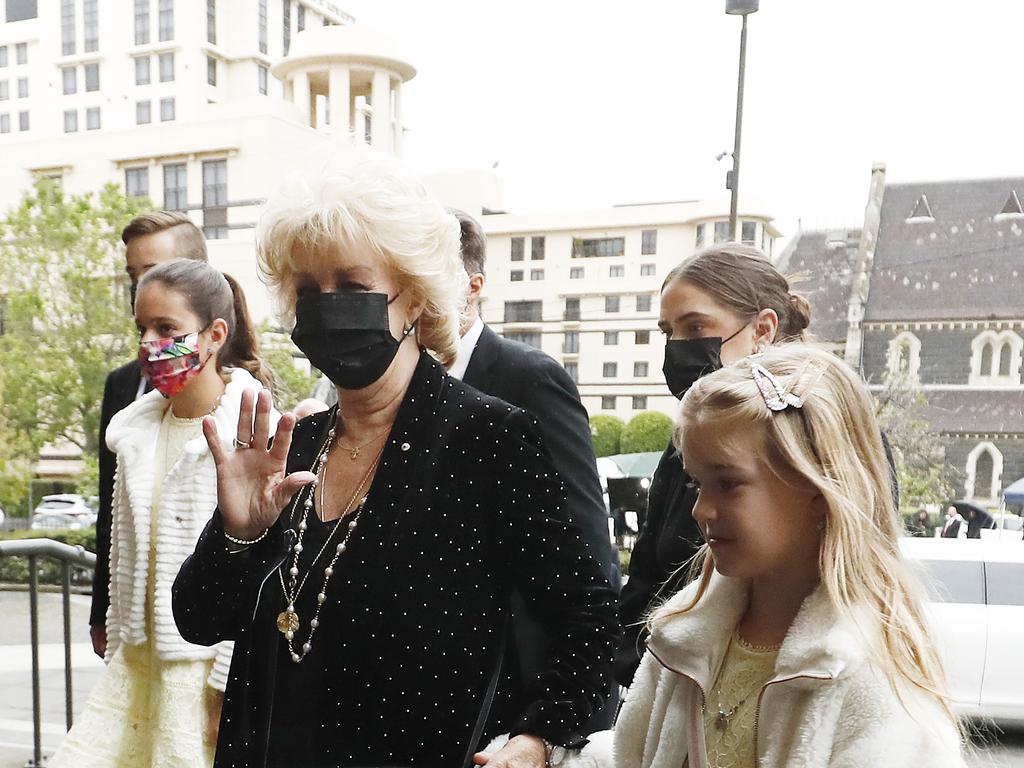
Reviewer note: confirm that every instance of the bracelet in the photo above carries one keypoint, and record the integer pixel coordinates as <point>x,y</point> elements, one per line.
<point>243,542</point>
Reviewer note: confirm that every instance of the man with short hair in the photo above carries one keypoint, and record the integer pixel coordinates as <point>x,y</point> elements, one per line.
<point>955,526</point>
<point>150,239</point>
<point>530,379</point>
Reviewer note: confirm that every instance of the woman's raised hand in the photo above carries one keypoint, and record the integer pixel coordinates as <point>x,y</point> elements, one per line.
<point>252,487</point>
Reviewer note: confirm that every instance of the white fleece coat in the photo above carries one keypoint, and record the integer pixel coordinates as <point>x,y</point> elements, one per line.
<point>187,502</point>
<point>827,704</point>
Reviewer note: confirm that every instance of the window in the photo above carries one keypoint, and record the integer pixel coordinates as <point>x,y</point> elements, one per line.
<point>904,356</point>
<point>166,67</point>
<point>166,19</point>
<point>956,581</point>
<point>611,338</point>
<point>142,70</point>
<point>586,248</point>
<point>610,370</point>
<point>608,402</point>
<point>23,121</point>
<point>141,22</point>
<point>722,233</point>
<point>67,27</point>
<point>3,55</point>
<point>211,22</point>
<point>571,343</point>
<point>22,10</point>
<point>211,70</point>
<point>262,79</point>
<point>640,370</point>
<point>996,358</point>
<point>300,17</point>
<point>701,230</point>
<point>516,276</point>
<point>537,248</point>
<point>642,337</point>
<point>22,87</point>
<point>5,93</point>
<point>5,123</point>
<point>648,270</point>
<point>215,199</point>
<point>175,187</point>
<point>575,273</point>
<point>263,26</point>
<point>536,274</point>
<point>649,242</point>
<point>136,182</point>
<point>643,303</point>
<point>286,16</point>
<point>70,78</point>
<point>639,402</point>
<point>92,77</point>
<point>617,271</point>
<point>91,25</point>
<point>92,119</point>
<point>611,303</point>
<point>518,248</point>
<point>984,470</point>
<point>748,232</point>
<point>531,338</point>
<point>573,369</point>
<point>21,53</point>
<point>572,309</point>
<point>70,120</point>
<point>142,113</point>
<point>166,110</point>
<point>523,311</point>
<point>1005,583</point>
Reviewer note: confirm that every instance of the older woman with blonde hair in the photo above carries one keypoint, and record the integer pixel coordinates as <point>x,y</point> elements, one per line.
<point>363,562</point>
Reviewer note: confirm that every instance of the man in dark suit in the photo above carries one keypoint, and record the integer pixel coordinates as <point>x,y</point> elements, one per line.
<point>150,239</point>
<point>528,378</point>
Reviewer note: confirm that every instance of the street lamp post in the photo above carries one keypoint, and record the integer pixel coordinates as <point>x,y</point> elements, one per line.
<point>738,8</point>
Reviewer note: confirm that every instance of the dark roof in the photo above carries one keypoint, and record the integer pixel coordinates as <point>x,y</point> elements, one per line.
<point>964,262</point>
<point>829,257</point>
<point>976,411</point>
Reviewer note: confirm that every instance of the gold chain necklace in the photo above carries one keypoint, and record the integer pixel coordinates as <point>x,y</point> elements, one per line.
<point>353,451</point>
<point>288,620</point>
<point>723,716</point>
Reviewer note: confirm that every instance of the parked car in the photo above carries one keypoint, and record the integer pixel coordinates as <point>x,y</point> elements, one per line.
<point>1005,526</point>
<point>58,521</point>
<point>70,504</point>
<point>977,614</point>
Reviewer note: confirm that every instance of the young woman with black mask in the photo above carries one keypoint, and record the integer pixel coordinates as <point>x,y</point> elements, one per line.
<point>717,307</point>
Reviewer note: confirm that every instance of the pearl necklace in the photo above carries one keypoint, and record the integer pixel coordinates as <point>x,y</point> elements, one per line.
<point>288,620</point>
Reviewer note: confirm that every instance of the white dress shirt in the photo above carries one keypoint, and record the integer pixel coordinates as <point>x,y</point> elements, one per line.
<point>466,346</point>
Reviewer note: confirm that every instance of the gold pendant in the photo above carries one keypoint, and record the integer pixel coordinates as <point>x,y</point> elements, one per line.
<point>287,621</point>
<point>355,454</point>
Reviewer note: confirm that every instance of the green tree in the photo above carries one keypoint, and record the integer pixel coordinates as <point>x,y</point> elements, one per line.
<point>293,383</point>
<point>919,453</point>
<point>648,431</point>
<point>606,431</point>
<point>66,320</point>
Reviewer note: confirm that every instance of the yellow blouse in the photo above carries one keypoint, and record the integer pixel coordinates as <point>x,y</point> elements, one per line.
<point>731,704</point>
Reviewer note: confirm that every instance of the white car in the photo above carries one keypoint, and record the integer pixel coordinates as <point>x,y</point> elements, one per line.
<point>977,614</point>
<point>68,504</point>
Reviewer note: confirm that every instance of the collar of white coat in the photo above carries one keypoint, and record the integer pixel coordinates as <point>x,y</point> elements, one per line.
<point>137,425</point>
<point>819,643</point>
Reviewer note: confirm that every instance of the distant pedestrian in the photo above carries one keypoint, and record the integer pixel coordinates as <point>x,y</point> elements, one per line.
<point>920,524</point>
<point>955,526</point>
<point>158,704</point>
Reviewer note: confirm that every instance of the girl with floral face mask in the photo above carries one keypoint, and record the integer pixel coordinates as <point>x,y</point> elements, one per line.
<point>159,701</point>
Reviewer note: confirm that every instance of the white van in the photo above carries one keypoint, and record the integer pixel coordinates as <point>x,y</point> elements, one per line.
<point>977,613</point>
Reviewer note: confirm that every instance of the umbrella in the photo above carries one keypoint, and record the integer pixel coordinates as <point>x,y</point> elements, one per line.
<point>637,464</point>
<point>980,519</point>
<point>1014,493</point>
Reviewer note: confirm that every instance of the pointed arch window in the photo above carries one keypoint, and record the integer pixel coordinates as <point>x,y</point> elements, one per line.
<point>922,211</point>
<point>905,356</point>
<point>984,473</point>
<point>996,359</point>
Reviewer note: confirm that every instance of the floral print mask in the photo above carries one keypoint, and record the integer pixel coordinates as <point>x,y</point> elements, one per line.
<point>171,363</point>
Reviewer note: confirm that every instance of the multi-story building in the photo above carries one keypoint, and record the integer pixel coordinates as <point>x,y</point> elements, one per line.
<point>197,104</point>
<point>584,288</point>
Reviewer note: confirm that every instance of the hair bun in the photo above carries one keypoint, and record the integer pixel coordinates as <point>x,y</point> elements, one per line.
<point>801,317</point>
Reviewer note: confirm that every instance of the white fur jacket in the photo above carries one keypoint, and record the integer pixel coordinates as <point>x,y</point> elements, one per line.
<point>187,502</point>
<point>827,705</point>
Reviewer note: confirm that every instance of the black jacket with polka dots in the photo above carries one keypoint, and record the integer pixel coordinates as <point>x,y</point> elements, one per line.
<point>465,508</point>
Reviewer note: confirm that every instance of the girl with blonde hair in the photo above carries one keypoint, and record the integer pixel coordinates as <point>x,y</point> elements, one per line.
<point>802,641</point>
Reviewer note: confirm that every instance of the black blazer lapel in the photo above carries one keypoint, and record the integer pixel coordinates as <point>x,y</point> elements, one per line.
<point>482,366</point>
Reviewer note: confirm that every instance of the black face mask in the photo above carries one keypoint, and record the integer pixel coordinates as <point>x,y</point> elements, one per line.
<point>347,336</point>
<point>687,360</point>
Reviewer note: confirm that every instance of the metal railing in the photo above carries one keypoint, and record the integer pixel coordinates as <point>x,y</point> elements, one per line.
<point>66,555</point>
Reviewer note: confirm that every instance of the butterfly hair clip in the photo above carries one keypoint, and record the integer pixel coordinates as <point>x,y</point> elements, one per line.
<point>778,397</point>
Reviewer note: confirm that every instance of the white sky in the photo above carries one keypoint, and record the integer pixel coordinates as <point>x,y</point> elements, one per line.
<point>587,103</point>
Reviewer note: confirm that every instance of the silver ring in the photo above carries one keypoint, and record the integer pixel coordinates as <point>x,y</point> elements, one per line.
<point>240,444</point>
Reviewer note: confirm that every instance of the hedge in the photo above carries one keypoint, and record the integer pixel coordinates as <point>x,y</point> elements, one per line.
<point>14,569</point>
